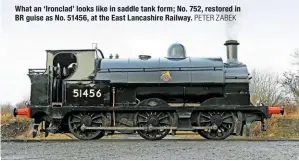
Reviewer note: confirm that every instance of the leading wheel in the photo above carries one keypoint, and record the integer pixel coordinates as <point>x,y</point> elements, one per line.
<point>76,120</point>
<point>153,119</point>
<point>224,121</point>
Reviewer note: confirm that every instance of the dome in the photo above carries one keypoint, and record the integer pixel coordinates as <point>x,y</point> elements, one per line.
<point>176,51</point>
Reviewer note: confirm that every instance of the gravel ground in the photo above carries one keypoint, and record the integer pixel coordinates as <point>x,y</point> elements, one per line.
<point>142,149</point>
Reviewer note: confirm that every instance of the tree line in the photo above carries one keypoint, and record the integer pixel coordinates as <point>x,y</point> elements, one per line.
<point>271,89</point>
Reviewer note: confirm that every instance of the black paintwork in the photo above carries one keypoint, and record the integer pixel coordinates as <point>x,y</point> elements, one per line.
<point>85,89</point>
<point>39,87</point>
<point>217,86</point>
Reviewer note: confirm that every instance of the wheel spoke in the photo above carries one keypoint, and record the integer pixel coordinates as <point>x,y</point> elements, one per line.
<point>161,118</point>
<point>164,122</point>
<point>221,131</point>
<point>142,121</point>
<point>224,127</point>
<point>221,114</point>
<point>75,122</point>
<point>142,116</point>
<point>228,122</point>
<point>97,116</point>
<point>77,116</point>
<point>97,122</point>
<point>225,117</point>
<point>91,114</point>
<point>76,127</point>
<point>205,116</point>
<point>208,121</point>
<point>159,114</point>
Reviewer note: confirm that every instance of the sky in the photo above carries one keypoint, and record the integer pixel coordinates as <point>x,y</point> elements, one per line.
<point>267,31</point>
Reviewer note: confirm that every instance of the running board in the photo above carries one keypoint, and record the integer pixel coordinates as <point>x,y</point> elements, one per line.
<point>83,127</point>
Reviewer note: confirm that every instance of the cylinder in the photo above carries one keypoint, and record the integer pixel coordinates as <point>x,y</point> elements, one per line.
<point>232,51</point>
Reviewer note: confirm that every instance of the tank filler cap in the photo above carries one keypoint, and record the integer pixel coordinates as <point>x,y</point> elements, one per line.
<point>144,57</point>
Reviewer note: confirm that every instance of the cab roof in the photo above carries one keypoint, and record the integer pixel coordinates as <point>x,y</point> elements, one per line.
<point>76,50</point>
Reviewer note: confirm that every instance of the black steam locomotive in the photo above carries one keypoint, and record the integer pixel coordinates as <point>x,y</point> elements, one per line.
<point>88,95</point>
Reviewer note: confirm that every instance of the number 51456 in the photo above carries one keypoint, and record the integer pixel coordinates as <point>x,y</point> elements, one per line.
<point>87,93</point>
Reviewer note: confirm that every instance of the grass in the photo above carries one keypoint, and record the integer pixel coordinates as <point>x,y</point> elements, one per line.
<point>7,116</point>
<point>280,126</point>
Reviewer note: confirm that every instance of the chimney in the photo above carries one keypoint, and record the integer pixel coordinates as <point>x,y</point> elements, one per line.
<point>232,51</point>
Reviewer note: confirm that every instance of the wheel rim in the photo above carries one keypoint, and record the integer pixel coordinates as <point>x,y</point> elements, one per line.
<point>76,120</point>
<point>225,122</point>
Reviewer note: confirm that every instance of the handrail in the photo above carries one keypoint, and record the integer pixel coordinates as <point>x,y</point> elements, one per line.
<point>36,71</point>
<point>214,68</point>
